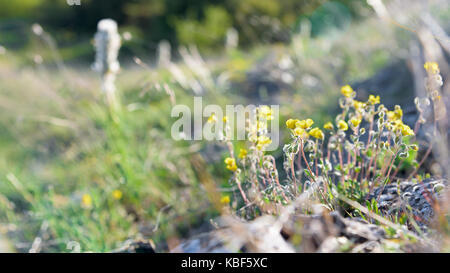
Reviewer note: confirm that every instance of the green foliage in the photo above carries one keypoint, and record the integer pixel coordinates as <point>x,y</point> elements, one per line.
<point>44,176</point>
<point>206,33</point>
<point>178,21</point>
<point>16,9</point>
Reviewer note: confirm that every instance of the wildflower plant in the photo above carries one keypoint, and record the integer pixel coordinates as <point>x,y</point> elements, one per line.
<point>362,148</point>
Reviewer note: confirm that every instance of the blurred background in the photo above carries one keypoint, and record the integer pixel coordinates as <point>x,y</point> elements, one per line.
<point>203,23</point>
<point>76,177</point>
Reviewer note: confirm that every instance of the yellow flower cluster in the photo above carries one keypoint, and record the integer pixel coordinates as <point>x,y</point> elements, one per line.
<point>117,194</point>
<point>225,200</point>
<point>303,124</point>
<point>316,133</point>
<point>86,200</point>
<point>230,164</point>
<point>242,153</point>
<point>261,141</point>
<point>406,130</point>
<point>431,67</point>
<point>300,132</point>
<point>212,118</point>
<point>265,112</point>
<point>355,122</point>
<point>300,127</point>
<point>342,125</point>
<point>328,126</point>
<point>347,91</point>
<point>396,114</point>
<point>290,123</point>
<point>260,125</point>
<point>358,105</point>
<point>374,99</point>
<point>398,126</point>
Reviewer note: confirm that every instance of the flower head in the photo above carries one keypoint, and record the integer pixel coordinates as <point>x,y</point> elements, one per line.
<point>342,125</point>
<point>347,91</point>
<point>86,200</point>
<point>431,67</point>
<point>355,122</point>
<point>290,123</point>
<point>242,153</point>
<point>266,112</point>
<point>304,124</point>
<point>316,133</point>
<point>398,112</point>
<point>230,164</point>
<point>328,126</point>
<point>395,115</point>
<point>261,125</point>
<point>225,119</point>
<point>301,133</point>
<point>358,105</point>
<point>225,200</point>
<point>117,194</point>
<point>263,140</point>
<point>374,99</point>
<point>212,118</point>
<point>390,115</point>
<point>406,130</point>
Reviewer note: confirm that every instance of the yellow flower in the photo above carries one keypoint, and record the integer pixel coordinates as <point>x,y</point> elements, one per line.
<point>317,133</point>
<point>396,114</point>
<point>212,118</point>
<point>117,194</point>
<point>86,200</point>
<point>301,124</point>
<point>301,133</point>
<point>225,119</point>
<point>406,130</point>
<point>390,115</point>
<point>358,104</point>
<point>266,112</point>
<point>242,153</point>
<point>229,160</point>
<point>328,126</point>
<point>342,125</point>
<point>431,67</point>
<point>355,122</point>
<point>261,125</point>
<point>290,123</point>
<point>347,91</point>
<point>264,140</point>
<point>414,147</point>
<point>225,200</point>
<point>231,164</point>
<point>374,100</point>
<point>398,126</point>
<point>304,124</point>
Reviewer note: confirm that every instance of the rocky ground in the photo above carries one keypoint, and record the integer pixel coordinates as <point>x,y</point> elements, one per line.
<point>325,231</point>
